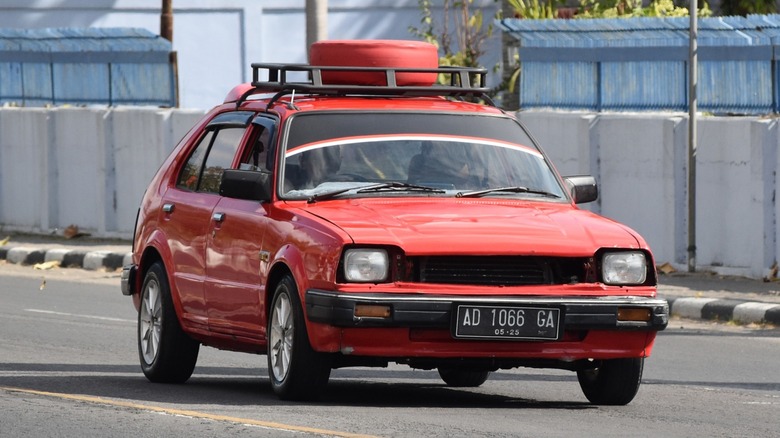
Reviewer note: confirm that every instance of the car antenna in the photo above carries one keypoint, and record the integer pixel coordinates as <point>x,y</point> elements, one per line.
<point>291,105</point>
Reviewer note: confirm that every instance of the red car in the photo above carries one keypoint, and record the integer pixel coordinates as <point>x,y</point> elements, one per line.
<point>340,215</point>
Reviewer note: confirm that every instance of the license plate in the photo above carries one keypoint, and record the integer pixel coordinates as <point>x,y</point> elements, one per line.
<point>506,322</point>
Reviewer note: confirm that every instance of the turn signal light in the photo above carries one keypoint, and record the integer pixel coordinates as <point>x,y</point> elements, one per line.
<point>372,311</point>
<point>633,314</point>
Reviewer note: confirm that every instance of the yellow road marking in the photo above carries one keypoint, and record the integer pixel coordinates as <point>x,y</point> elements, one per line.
<point>194,414</point>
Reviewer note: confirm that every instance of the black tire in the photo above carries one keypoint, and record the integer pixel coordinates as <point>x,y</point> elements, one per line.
<point>463,378</point>
<point>167,354</point>
<point>615,382</point>
<point>295,370</point>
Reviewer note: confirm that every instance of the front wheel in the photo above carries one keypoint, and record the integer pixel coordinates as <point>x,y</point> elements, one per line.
<point>296,371</point>
<point>613,382</point>
<point>463,378</point>
<point>167,354</point>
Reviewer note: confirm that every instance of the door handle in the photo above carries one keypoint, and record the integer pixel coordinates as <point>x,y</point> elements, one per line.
<point>218,217</point>
<point>168,208</point>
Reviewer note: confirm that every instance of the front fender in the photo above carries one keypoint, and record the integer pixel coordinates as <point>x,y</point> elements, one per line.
<point>322,337</point>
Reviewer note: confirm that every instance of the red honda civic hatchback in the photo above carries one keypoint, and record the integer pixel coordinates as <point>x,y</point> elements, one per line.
<point>362,211</point>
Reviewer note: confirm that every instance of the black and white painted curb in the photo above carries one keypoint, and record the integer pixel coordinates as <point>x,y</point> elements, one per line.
<point>725,310</point>
<point>715,309</point>
<point>67,258</point>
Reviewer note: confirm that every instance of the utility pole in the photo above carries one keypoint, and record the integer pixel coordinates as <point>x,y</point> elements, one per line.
<point>510,100</point>
<point>693,73</point>
<point>166,31</point>
<point>316,21</point>
<point>166,20</point>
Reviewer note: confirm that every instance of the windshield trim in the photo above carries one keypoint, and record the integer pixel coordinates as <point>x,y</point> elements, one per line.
<point>532,148</point>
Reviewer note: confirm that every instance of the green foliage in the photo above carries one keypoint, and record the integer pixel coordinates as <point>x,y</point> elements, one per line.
<point>746,7</point>
<point>535,9</point>
<point>460,32</point>
<point>546,9</point>
<point>633,8</point>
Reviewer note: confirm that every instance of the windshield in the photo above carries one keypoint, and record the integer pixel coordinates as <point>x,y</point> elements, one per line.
<point>432,163</point>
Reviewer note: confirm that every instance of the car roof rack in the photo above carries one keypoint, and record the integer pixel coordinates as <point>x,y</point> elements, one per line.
<point>463,81</point>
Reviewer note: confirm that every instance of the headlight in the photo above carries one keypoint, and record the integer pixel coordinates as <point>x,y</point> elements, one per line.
<point>365,265</point>
<point>624,267</point>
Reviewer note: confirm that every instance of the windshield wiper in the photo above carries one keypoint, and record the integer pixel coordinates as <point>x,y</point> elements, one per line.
<point>394,186</point>
<point>397,186</point>
<point>478,193</point>
<point>327,195</point>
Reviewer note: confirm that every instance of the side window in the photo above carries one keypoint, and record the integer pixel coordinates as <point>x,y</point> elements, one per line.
<point>257,158</point>
<point>260,152</point>
<point>217,147</point>
<point>188,178</point>
<point>220,157</point>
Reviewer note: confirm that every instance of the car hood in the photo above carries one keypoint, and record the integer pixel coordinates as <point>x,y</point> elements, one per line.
<point>475,226</point>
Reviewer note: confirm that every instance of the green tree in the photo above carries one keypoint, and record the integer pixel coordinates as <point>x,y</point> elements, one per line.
<point>460,32</point>
<point>746,7</point>
<point>544,9</point>
<point>535,9</point>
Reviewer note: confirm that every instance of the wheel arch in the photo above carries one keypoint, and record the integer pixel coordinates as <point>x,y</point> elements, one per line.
<point>275,275</point>
<point>149,256</point>
<point>322,337</point>
<point>156,250</point>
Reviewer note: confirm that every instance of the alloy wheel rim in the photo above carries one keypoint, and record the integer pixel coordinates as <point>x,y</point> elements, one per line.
<point>282,330</point>
<point>150,322</point>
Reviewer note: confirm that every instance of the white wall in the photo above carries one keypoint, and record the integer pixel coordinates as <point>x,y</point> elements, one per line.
<point>89,167</point>
<point>217,40</point>
<point>640,161</point>
<point>83,166</point>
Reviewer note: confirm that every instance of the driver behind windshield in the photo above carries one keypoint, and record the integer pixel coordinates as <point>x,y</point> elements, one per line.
<point>314,167</point>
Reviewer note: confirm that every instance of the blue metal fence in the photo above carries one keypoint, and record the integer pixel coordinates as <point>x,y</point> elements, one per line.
<point>642,63</point>
<point>103,66</point>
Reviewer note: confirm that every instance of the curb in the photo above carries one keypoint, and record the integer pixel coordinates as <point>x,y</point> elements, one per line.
<point>725,310</point>
<point>68,258</point>
<point>712,309</point>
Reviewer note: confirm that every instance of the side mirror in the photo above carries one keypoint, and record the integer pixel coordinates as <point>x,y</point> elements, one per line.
<point>251,185</point>
<point>583,188</point>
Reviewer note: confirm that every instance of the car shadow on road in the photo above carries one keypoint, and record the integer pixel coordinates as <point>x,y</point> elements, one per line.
<point>432,395</point>
<point>237,386</point>
<point>230,386</point>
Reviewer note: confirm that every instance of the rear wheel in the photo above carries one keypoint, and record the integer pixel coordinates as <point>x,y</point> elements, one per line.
<point>296,371</point>
<point>463,378</point>
<point>167,354</point>
<point>613,382</point>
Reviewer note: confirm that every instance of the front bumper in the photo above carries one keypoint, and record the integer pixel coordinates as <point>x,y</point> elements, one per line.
<point>128,279</point>
<point>421,311</point>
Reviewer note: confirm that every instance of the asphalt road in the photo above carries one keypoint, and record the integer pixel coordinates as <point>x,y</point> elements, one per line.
<point>69,367</point>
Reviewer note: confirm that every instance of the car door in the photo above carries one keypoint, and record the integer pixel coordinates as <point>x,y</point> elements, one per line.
<point>187,207</point>
<point>235,259</point>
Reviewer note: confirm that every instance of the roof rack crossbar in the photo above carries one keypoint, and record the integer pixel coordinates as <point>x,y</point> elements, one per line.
<point>463,80</point>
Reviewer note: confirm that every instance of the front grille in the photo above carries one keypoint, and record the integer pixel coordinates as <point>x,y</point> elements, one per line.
<point>499,270</point>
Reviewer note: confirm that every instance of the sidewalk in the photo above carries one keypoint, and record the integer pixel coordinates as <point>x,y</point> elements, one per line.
<point>699,295</point>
